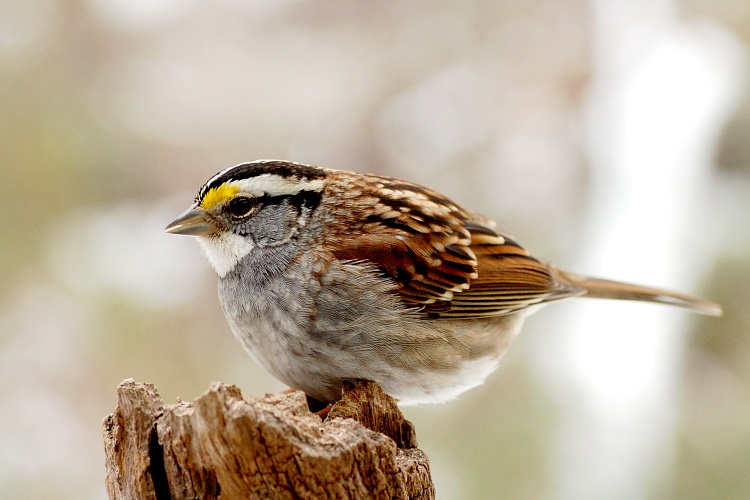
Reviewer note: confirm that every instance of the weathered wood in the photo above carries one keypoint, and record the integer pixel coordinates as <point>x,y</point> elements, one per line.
<point>223,446</point>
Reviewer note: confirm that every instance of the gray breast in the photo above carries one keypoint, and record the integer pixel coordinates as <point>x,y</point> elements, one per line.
<point>315,332</point>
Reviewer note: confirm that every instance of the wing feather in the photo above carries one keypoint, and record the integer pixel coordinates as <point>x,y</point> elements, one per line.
<point>446,261</point>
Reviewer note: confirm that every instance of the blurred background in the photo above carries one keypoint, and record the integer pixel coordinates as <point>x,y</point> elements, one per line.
<point>609,136</point>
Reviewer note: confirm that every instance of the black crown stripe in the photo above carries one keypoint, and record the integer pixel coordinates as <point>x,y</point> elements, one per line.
<point>283,169</point>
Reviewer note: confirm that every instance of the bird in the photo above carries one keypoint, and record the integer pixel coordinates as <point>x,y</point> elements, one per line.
<point>328,277</point>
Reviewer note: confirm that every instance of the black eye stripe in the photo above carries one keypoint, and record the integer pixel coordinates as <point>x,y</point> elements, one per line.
<point>242,206</point>
<point>309,199</point>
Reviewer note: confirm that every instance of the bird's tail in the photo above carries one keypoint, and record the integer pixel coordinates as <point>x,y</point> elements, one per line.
<point>607,289</point>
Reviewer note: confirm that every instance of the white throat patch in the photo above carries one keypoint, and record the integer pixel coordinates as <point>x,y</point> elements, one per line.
<point>226,250</point>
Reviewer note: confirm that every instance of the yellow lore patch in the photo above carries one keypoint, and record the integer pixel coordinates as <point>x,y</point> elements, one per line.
<point>219,194</point>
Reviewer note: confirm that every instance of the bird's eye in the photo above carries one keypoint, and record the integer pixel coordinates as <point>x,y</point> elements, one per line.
<point>240,207</point>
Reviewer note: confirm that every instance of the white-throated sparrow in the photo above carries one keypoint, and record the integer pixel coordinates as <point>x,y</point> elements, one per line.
<point>327,276</point>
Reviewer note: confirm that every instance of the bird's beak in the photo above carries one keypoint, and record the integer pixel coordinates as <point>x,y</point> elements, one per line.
<point>192,222</point>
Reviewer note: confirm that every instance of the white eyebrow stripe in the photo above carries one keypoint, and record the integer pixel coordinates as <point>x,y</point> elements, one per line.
<point>275,185</point>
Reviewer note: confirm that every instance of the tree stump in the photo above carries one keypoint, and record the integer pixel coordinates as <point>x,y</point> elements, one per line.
<point>224,446</point>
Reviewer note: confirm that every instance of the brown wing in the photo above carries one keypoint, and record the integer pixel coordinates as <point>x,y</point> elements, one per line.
<point>508,279</point>
<point>446,261</point>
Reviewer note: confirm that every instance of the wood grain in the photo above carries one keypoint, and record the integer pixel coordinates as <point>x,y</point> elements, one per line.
<point>224,446</point>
